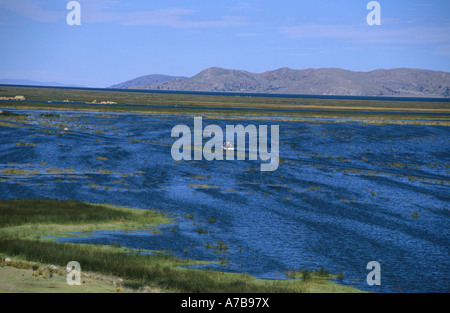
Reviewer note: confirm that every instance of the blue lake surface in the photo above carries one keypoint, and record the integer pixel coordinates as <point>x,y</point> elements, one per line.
<point>345,193</point>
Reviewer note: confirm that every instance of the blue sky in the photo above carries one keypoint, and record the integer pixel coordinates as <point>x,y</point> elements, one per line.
<point>121,40</point>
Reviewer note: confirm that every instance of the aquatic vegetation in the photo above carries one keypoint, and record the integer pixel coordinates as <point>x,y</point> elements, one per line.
<point>25,144</point>
<point>199,176</point>
<point>201,231</point>
<point>101,171</point>
<point>351,170</point>
<point>396,164</point>
<point>54,170</point>
<point>14,171</point>
<point>50,115</point>
<point>277,185</point>
<point>307,275</point>
<point>44,211</point>
<point>202,186</point>
<point>126,175</point>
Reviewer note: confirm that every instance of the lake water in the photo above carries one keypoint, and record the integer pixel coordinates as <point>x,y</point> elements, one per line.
<point>346,193</point>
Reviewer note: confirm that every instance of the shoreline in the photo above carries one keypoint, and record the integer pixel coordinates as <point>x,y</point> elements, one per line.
<point>128,264</point>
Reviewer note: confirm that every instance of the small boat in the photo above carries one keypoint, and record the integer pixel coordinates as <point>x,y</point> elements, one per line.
<point>227,146</point>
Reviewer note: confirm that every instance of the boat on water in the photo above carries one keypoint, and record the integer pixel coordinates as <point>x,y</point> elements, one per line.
<point>227,146</point>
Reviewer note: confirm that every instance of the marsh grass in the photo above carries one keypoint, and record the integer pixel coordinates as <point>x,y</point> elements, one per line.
<point>213,105</point>
<point>199,176</point>
<point>219,247</point>
<point>5,124</point>
<point>25,144</point>
<point>51,212</point>
<point>157,270</point>
<point>23,219</point>
<point>351,170</point>
<point>12,114</point>
<point>50,115</point>
<point>14,171</point>
<point>413,178</point>
<point>307,275</point>
<point>202,186</point>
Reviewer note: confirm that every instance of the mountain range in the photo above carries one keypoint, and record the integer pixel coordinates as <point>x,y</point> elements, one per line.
<point>147,80</point>
<point>27,82</point>
<point>404,82</point>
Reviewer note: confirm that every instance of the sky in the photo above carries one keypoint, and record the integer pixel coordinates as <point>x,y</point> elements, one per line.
<point>120,40</point>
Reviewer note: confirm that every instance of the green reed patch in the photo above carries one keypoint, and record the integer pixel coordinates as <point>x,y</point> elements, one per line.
<point>44,211</point>
<point>14,171</point>
<point>25,144</point>
<point>158,270</point>
<point>307,275</point>
<point>12,114</point>
<point>50,115</point>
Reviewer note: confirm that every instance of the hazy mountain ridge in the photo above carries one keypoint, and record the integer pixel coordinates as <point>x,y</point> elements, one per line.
<point>147,80</point>
<point>326,81</point>
<point>27,82</point>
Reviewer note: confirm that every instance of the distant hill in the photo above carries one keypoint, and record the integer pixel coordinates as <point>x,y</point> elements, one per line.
<point>26,82</point>
<point>147,80</point>
<point>328,81</point>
